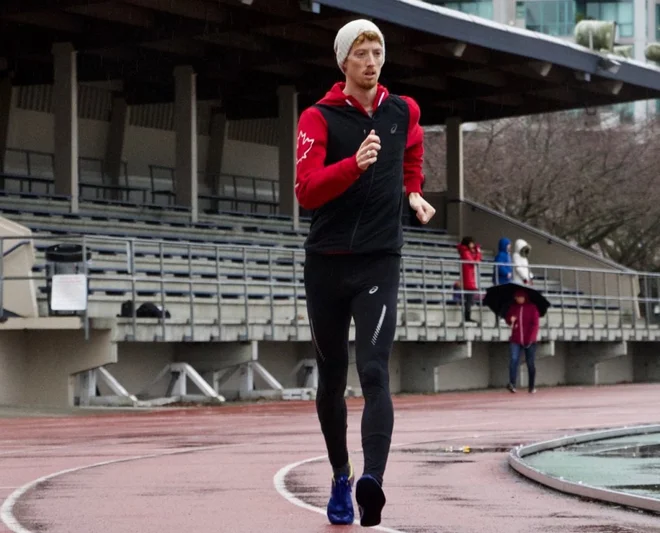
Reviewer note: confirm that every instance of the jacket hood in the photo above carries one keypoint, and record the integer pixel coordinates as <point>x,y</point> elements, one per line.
<point>504,242</point>
<point>336,97</point>
<point>520,244</point>
<point>521,293</point>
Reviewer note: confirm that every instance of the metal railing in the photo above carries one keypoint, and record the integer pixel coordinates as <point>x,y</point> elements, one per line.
<point>248,285</point>
<point>31,173</point>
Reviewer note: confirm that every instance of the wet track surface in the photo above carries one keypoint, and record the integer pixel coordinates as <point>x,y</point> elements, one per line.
<point>213,469</point>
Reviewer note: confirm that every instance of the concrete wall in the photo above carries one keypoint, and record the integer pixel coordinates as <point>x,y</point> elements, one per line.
<point>646,361</point>
<point>13,366</point>
<point>19,296</point>
<point>472,373</point>
<point>34,130</point>
<point>37,365</point>
<point>139,363</point>
<point>558,363</point>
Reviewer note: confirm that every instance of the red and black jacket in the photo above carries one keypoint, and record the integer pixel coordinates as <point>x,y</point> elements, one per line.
<point>355,211</point>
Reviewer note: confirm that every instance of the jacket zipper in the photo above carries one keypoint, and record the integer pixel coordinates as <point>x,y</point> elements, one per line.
<point>357,222</point>
<point>522,331</point>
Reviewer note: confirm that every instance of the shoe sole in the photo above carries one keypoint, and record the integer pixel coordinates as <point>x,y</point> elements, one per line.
<point>344,521</point>
<point>371,500</point>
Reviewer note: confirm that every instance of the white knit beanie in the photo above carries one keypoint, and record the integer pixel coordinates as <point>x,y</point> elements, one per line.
<point>346,37</point>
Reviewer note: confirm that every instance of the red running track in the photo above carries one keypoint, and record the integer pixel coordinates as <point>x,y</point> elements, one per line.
<point>213,469</point>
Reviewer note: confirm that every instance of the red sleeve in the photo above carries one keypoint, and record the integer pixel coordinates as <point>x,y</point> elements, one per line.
<point>463,252</point>
<point>317,184</point>
<point>536,319</point>
<point>510,314</point>
<point>413,176</point>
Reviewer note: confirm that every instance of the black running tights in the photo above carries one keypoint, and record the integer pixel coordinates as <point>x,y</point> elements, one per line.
<point>365,288</point>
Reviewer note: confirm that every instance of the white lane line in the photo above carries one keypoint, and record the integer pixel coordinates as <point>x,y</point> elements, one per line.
<point>280,486</point>
<point>8,519</point>
<point>6,511</point>
<point>279,480</point>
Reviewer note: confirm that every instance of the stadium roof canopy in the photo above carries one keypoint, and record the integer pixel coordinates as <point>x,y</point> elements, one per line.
<point>242,50</point>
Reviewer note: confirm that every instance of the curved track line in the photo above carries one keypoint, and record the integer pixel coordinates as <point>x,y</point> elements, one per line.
<point>8,519</point>
<point>6,511</point>
<point>279,479</point>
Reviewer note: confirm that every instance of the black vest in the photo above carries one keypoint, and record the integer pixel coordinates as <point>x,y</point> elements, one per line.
<point>367,216</point>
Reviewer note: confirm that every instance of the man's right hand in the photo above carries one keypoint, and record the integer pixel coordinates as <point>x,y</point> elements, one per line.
<point>368,151</point>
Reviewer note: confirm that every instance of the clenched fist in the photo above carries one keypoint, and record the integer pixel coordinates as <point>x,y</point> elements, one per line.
<point>424,210</point>
<point>368,151</point>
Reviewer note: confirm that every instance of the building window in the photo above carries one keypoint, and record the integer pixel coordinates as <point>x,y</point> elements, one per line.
<point>553,17</point>
<point>478,9</point>
<point>626,112</point>
<point>657,22</point>
<point>620,12</point>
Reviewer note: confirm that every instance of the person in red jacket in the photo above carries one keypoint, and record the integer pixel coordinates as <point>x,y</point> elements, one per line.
<point>359,149</point>
<point>524,318</point>
<point>470,254</point>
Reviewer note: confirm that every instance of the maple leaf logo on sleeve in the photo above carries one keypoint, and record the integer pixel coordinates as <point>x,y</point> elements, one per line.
<point>305,144</point>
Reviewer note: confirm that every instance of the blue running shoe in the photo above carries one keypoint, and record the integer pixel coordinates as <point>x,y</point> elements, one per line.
<point>370,499</point>
<point>340,506</point>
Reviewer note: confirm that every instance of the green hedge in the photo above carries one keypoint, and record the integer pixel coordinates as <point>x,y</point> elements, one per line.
<point>603,32</point>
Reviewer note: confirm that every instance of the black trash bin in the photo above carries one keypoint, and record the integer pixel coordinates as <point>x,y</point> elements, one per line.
<point>64,259</point>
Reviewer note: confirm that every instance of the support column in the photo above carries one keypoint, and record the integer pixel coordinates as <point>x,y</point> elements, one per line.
<point>425,362</point>
<point>288,126</point>
<point>504,11</point>
<point>5,117</point>
<point>455,183</point>
<point>639,44</point>
<point>650,22</point>
<point>215,151</point>
<point>185,117</point>
<point>65,93</point>
<point>593,363</point>
<point>115,144</point>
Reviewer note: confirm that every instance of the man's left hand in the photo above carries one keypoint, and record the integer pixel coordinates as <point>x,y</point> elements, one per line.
<point>424,210</point>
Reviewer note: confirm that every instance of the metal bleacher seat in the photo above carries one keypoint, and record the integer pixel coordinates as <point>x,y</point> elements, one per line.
<point>227,260</point>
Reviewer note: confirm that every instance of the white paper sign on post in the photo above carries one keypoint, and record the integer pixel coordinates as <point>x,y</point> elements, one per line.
<point>68,292</point>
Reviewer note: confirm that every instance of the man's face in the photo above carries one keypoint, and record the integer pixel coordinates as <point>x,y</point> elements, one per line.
<point>520,300</point>
<point>363,64</point>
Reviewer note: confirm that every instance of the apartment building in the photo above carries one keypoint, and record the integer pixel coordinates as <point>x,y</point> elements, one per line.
<point>638,23</point>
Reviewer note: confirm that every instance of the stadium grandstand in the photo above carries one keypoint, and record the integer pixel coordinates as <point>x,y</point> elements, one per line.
<point>152,244</point>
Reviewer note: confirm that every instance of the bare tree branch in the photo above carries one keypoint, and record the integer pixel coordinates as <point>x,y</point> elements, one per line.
<point>597,188</point>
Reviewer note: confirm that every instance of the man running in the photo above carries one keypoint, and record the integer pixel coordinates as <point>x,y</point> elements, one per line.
<point>358,148</point>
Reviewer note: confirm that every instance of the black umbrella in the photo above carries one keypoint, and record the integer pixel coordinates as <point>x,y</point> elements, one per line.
<point>500,297</point>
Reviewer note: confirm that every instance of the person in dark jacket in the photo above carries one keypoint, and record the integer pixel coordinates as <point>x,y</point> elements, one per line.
<point>470,254</point>
<point>358,148</point>
<point>524,318</point>
<point>503,269</point>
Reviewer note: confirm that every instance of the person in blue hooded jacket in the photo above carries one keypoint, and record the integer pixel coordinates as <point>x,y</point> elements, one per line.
<point>503,269</point>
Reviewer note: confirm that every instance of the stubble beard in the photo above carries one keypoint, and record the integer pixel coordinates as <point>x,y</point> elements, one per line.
<point>367,85</point>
